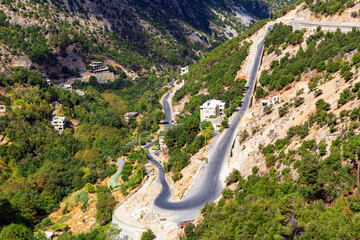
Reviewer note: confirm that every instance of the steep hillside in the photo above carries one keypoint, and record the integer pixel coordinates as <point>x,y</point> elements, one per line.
<point>294,171</point>
<point>61,37</point>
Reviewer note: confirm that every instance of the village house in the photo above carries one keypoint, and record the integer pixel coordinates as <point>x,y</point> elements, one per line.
<point>2,109</point>
<point>269,102</point>
<point>98,67</point>
<point>81,93</point>
<point>67,87</point>
<point>128,115</point>
<point>184,70</point>
<point>212,111</point>
<point>58,123</point>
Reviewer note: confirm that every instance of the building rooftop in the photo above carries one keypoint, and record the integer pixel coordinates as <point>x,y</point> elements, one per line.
<point>212,103</point>
<point>131,113</point>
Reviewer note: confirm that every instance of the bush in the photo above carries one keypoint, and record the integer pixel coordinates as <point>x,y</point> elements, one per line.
<point>268,109</point>
<point>243,136</point>
<point>322,105</point>
<point>234,176</point>
<point>227,193</point>
<point>345,96</point>
<point>104,208</point>
<point>283,110</point>
<point>147,235</point>
<point>260,92</point>
<point>298,101</point>
<point>45,222</point>
<point>89,188</point>
<point>16,231</point>
<point>318,93</point>
<point>224,123</point>
<point>270,159</point>
<point>356,58</point>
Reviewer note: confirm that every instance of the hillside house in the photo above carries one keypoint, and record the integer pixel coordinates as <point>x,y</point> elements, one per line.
<point>67,87</point>
<point>212,111</point>
<point>58,123</point>
<point>184,70</point>
<point>81,93</point>
<point>98,67</point>
<point>128,115</point>
<point>2,109</point>
<point>270,102</point>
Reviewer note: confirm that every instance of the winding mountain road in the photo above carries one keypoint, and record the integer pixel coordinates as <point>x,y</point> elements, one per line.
<point>208,187</point>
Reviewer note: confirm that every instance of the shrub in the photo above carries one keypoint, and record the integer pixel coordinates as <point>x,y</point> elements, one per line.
<point>298,101</point>
<point>260,93</point>
<point>45,222</point>
<point>268,109</point>
<point>104,208</point>
<point>356,58</point>
<point>147,235</point>
<point>89,188</point>
<point>318,92</point>
<point>283,110</point>
<point>243,136</point>
<point>227,193</point>
<point>270,159</point>
<point>224,123</point>
<point>234,176</point>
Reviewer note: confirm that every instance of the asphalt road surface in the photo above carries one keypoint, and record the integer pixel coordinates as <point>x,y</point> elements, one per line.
<point>344,26</point>
<point>208,187</point>
<point>167,110</point>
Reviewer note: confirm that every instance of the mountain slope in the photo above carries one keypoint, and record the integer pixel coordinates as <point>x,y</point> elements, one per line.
<point>295,167</point>
<point>138,35</point>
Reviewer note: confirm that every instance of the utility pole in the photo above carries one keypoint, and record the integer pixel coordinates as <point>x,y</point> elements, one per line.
<point>179,187</point>
<point>358,169</point>
<point>205,142</point>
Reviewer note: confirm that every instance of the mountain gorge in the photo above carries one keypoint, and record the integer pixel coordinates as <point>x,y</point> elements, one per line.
<point>137,35</point>
<point>292,172</point>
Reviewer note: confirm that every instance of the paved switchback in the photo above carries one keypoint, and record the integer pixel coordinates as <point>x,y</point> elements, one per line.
<point>208,187</point>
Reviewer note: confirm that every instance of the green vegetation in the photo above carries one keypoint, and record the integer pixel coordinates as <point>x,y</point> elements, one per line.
<point>105,206</point>
<point>40,167</point>
<point>275,206</point>
<point>216,73</point>
<point>329,7</point>
<point>325,52</point>
<point>148,235</point>
<point>106,232</point>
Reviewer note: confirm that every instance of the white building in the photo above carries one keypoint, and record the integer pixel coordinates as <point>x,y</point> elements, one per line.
<point>184,70</point>
<point>128,115</point>
<point>98,67</point>
<point>270,102</point>
<point>2,109</point>
<point>67,87</point>
<point>81,93</point>
<point>212,111</point>
<point>58,123</point>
